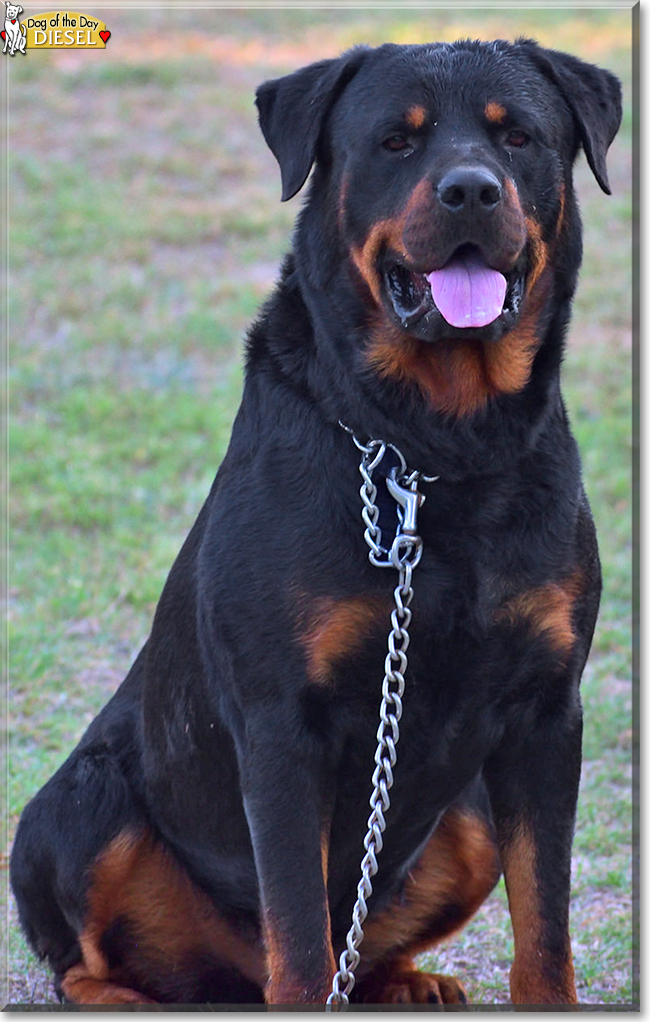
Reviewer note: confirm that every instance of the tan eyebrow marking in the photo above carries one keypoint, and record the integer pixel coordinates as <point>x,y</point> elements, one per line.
<point>495,112</point>
<point>416,116</point>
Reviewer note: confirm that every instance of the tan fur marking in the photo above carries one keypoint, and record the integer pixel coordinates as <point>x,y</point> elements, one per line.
<point>325,854</point>
<point>548,611</point>
<point>80,987</point>
<point>528,985</point>
<point>283,986</point>
<point>138,879</point>
<point>539,251</point>
<point>514,221</point>
<point>495,112</point>
<point>94,960</point>
<point>561,214</point>
<point>387,234</point>
<point>459,377</point>
<point>334,629</point>
<point>416,117</point>
<point>458,866</point>
<point>451,377</point>
<point>384,234</point>
<point>509,361</point>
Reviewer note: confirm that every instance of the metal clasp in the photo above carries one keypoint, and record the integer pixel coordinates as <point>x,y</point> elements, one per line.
<point>409,499</point>
<point>402,485</point>
<point>407,545</point>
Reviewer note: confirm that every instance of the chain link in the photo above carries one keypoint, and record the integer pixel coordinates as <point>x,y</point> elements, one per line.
<point>404,555</point>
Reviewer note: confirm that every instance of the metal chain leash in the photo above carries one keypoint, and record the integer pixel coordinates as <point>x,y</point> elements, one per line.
<point>404,555</point>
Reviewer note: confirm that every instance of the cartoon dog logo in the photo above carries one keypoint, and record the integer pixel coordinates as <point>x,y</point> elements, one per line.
<point>14,34</point>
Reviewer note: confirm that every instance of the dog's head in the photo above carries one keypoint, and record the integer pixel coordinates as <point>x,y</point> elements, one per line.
<point>443,180</point>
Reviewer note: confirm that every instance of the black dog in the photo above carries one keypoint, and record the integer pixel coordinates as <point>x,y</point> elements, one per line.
<point>202,843</point>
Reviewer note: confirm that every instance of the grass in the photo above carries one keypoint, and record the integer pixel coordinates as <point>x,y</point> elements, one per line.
<point>144,231</point>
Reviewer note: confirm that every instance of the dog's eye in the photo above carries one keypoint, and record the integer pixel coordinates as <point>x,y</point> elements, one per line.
<point>517,139</point>
<point>396,143</point>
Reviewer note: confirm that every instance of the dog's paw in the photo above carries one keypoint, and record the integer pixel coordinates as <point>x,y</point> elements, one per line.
<point>78,986</point>
<point>410,986</point>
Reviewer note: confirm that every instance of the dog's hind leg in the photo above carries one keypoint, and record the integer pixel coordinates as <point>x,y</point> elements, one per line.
<point>110,907</point>
<point>150,935</point>
<point>456,871</point>
<point>92,797</point>
<point>60,833</point>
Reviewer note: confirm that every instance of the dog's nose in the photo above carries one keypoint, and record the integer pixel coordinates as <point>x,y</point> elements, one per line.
<point>470,190</point>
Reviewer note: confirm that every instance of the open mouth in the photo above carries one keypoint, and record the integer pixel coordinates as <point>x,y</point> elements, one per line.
<point>466,294</point>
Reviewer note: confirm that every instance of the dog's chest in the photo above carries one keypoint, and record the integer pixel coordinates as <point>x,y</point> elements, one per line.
<point>476,657</point>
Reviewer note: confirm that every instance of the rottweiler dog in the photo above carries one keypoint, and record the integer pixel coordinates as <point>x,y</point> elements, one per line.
<point>202,843</point>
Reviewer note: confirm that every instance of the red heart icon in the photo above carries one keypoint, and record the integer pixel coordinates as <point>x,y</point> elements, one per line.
<point>104,35</point>
<point>3,34</point>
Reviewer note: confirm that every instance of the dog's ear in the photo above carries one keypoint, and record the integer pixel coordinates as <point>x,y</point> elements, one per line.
<point>594,98</point>
<point>292,111</point>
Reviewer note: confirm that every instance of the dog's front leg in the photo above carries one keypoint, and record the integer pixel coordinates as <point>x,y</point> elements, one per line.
<point>533,785</point>
<point>287,822</point>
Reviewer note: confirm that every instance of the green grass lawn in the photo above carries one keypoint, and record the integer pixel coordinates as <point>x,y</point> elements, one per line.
<point>144,230</point>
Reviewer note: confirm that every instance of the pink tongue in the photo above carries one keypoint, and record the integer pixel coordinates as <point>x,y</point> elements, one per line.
<point>467,292</point>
